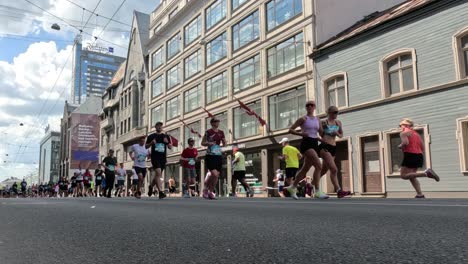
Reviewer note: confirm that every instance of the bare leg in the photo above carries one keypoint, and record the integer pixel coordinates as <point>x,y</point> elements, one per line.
<point>310,159</point>
<point>412,175</point>
<point>329,162</point>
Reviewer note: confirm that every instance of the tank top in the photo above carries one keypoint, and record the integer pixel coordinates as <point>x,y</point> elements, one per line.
<point>311,126</point>
<point>330,129</point>
<point>414,143</point>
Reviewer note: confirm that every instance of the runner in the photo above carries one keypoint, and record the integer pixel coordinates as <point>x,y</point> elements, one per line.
<point>121,176</point>
<point>239,173</point>
<point>171,185</point>
<point>73,184</point>
<point>63,187</point>
<point>99,176</point>
<point>135,184</point>
<point>23,188</point>
<point>188,159</point>
<point>34,190</point>
<point>331,128</point>
<point>413,148</point>
<point>87,178</point>
<point>159,143</point>
<point>109,164</point>
<point>139,154</point>
<point>79,183</point>
<point>212,140</point>
<point>310,128</point>
<point>291,156</point>
<point>279,179</point>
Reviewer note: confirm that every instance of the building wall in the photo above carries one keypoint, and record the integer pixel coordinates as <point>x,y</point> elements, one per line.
<point>49,158</point>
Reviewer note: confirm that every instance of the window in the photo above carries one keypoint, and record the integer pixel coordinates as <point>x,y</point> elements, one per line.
<point>462,136</point>
<point>128,124</point>
<point>173,77</point>
<point>125,126</point>
<point>176,134</point>
<point>280,11</point>
<point>192,31</point>
<point>286,56</point>
<point>335,92</point>
<point>245,31</point>
<point>216,87</point>
<point>215,13</point>
<point>157,28</point>
<point>157,59</point>
<point>399,72</point>
<point>156,115</point>
<point>246,74</point>
<point>192,99</point>
<point>131,75</point>
<point>121,127</point>
<point>173,13</point>
<point>285,108</point>
<point>464,51</point>
<point>172,108</point>
<point>461,53</point>
<point>222,122</point>
<point>189,134</point>
<point>157,86</point>
<point>237,3</point>
<point>125,100</point>
<point>216,49</point>
<point>372,180</point>
<point>173,46</point>
<point>192,64</point>
<point>245,125</point>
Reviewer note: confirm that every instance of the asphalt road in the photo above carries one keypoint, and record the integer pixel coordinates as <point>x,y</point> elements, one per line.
<point>124,230</point>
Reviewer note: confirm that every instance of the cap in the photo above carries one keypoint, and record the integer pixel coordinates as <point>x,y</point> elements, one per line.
<point>278,171</point>
<point>284,140</point>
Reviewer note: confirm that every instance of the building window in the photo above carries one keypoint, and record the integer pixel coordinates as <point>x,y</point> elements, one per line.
<point>394,155</point>
<point>173,77</point>
<point>246,74</point>
<point>281,11</point>
<point>464,51</point>
<point>335,91</point>
<point>216,49</point>
<point>156,115</point>
<point>399,72</point>
<point>121,127</point>
<point>245,31</point>
<point>172,108</point>
<point>223,122</point>
<point>192,31</point>
<point>285,108</point>
<point>173,46</point>
<point>157,28</point>
<point>129,124</point>
<point>244,124</point>
<point>188,133</point>
<point>176,134</point>
<point>173,13</point>
<point>157,86</point>
<point>237,3</point>
<point>192,99</point>
<point>461,53</point>
<point>157,59</point>
<point>215,13</point>
<point>192,64</point>
<point>216,87</point>
<point>286,56</point>
<point>125,126</point>
<point>462,135</point>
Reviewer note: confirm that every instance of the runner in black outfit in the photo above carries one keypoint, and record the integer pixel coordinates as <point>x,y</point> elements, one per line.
<point>109,164</point>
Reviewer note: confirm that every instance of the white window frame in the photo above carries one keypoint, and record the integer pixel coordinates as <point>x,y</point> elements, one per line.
<point>388,148</point>
<point>460,70</point>
<point>360,169</point>
<point>162,86</point>
<point>197,56</point>
<point>175,38</point>
<point>461,142</point>
<point>325,89</point>
<point>161,106</point>
<point>193,22</point>
<point>199,95</point>
<point>160,49</point>
<point>170,70</point>
<point>384,82</point>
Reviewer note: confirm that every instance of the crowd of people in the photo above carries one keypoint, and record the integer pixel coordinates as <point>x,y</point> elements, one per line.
<point>317,149</point>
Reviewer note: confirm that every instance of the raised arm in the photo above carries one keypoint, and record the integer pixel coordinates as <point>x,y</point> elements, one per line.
<point>298,123</point>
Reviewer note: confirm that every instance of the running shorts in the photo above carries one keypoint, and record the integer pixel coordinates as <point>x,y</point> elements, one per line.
<point>134,182</point>
<point>239,175</point>
<point>309,143</point>
<point>328,148</point>
<point>190,172</point>
<point>139,170</point>
<point>291,172</point>
<point>412,160</point>
<point>214,162</point>
<point>158,164</point>
<point>120,182</point>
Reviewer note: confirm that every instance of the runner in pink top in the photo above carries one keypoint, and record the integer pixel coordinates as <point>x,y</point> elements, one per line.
<point>413,148</point>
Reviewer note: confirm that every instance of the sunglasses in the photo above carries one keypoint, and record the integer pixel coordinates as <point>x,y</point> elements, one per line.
<point>310,105</point>
<point>334,112</point>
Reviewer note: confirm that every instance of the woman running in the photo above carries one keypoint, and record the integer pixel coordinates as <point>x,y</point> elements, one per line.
<point>332,128</point>
<point>310,129</point>
<point>413,148</point>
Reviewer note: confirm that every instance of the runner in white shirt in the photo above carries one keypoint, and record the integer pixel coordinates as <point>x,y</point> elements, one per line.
<point>121,176</point>
<point>79,183</point>
<point>139,153</point>
<point>134,183</point>
<point>280,180</point>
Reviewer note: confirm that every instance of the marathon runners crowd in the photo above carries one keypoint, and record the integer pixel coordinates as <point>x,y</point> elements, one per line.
<point>317,149</point>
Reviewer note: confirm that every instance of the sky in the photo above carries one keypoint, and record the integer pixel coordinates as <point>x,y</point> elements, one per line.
<point>35,66</point>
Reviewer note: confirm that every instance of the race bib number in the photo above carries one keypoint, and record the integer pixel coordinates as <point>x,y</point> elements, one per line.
<point>141,157</point>
<point>99,178</point>
<point>191,161</point>
<point>160,147</point>
<point>86,178</point>
<point>215,150</point>
<point>111,167</point>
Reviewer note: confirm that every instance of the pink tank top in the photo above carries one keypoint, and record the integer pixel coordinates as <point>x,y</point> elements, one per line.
<point>311,126</point>
<point>414,143</point>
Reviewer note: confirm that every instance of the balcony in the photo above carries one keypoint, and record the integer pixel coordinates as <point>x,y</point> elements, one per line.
<point>133,135</point>
<point>107,123</point>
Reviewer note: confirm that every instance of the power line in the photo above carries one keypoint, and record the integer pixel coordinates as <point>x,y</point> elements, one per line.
<point>110,19</point>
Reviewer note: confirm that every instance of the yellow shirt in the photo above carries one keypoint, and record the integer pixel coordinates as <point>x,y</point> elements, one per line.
<point>292,159</point>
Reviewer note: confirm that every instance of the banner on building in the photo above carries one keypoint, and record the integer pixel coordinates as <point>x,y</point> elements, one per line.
<point>84,141</point>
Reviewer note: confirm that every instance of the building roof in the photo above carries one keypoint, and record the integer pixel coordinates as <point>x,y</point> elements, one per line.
<point>118,75</point>
<point>374,20</point>
<point>143,23</point>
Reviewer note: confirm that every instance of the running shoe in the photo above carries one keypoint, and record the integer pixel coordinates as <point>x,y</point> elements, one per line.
<point>162,195</point>
<point>342,193</point>
<point>321,195</point>
<point>233,195</point>
<point>432,174</point>
<point>211,196</point>
<point>251,193</point>
<point>205,194</point>
<point>186,195</point>
<point>150,192</point>
<point>292,191</point>
<point>420,196</point>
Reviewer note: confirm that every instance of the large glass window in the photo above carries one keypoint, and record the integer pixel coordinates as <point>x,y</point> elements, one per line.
<point>215,13</point>
<point>245,31</point>
<point>223,122</point>
<point>280,11</point>
<point>175,148</point>
<point>216,49</point>
<point>335,89</point>
<point>253,172</point>
<point>245,125</point>
<point>400,74</point>
<point>173,78</point>
<point>246,74</point>
<point>157,59</point>
<point>237,3</point>
<point>192,64</point>
<point>192,31</point>
<point>173,46</point>
<point>156,115</point>
<point>192,99</point>
<point>173,108</point>
<point>216,87</point>
<point>286,56</point>
<point>157,86</point>
<point>285,108</point>
<point>189,134</point>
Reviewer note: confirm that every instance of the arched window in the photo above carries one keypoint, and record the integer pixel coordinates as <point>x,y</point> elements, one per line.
<point>335,90</point>
<point>460,49</point>
<point>398,72</point>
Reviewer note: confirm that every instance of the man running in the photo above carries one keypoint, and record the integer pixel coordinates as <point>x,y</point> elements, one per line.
<point>109,164</point>
<point>121,176</point>
<point>159,142</point>
<point>79,183</point>
<point>291,156</point>
<point>239,173</point>
<point>138,153</point>
<point>188,159</point>
<point>98,177</point>
<point>63,187</point>
<point>135,185</point>
<point>279,179</point>
<point>23,188</point>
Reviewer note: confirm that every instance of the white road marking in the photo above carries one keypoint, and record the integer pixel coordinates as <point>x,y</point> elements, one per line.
<point>93,207</point>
